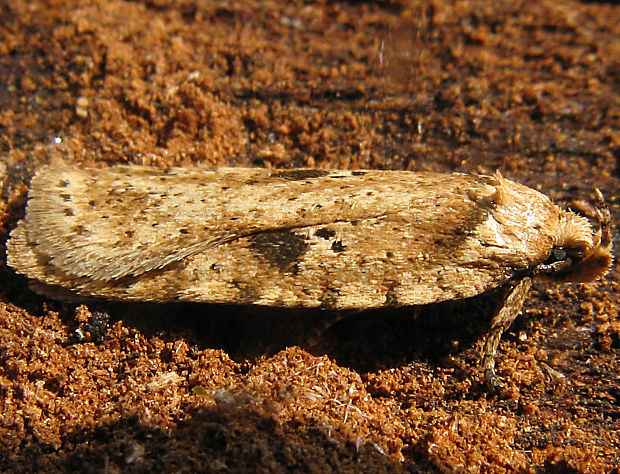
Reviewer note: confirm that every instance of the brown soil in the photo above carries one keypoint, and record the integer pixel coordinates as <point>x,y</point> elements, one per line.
<point>530,88</point>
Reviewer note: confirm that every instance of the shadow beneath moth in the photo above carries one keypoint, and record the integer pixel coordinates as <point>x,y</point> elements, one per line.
<point>301,238</point>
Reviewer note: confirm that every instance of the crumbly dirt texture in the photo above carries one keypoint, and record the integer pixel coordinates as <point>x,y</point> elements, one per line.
<point>529,88</point>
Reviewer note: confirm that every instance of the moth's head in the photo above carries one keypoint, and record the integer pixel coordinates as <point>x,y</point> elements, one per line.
<point>578,254</point>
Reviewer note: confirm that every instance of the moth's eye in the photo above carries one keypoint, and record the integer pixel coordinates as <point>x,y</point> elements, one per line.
<point>558,254</point>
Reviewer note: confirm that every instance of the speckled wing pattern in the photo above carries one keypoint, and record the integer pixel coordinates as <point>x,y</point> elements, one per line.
<point>295,238</point>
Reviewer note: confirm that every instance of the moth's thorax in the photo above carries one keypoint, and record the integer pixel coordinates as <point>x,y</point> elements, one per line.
<point>521,225</point>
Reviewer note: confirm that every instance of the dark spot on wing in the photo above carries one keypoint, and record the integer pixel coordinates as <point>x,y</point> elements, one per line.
<point>338,246</point>
<point>63,183</point>
<point>329,298</point>
<point>391,294</point>
<point>248,293</point>
<point>69,212</point>
<point>358,173</point>
<point>462,230</point>
<point>300,175</point>
<point>325,233</point>
<point>458,226</point>
<point>282,248</point>
<point>66,197</point>
<point>79,230</point>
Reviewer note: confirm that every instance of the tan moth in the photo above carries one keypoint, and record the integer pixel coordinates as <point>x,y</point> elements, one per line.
<point>299,238</point>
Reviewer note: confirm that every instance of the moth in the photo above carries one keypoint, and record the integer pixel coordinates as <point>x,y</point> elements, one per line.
<point>310,238</point>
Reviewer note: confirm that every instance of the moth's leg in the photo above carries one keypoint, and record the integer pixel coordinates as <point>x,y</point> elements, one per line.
<point>508,311</point>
